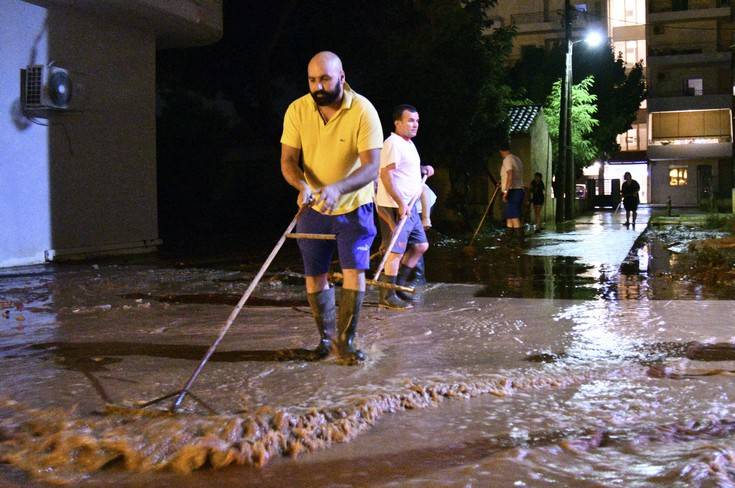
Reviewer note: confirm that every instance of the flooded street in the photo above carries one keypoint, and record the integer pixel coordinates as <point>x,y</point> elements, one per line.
<point>558,363</point>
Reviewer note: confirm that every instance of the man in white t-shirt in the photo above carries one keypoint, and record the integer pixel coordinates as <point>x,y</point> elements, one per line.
<point>398,183</point>
<point>511,184</point>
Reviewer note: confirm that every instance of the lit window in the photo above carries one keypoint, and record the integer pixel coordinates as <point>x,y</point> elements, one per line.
<point>694,87</point>
<point>678,176</point>
<point>631,52</point>
<point>627,12</point>
<point>635,139</point>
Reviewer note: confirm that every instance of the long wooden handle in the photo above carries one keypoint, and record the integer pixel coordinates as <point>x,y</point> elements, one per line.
<point>398,228</point>
<point>235,312</point>
<point>377,284</point>
<point>482,220</point>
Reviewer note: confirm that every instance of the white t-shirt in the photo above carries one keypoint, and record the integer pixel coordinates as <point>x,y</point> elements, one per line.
<point>407,175</point>
<point>511,161</point>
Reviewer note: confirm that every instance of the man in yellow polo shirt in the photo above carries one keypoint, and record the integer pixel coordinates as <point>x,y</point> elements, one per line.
<point>338,134</point>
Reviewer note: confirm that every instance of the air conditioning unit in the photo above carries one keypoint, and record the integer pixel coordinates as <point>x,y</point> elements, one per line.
<point>46,88</point>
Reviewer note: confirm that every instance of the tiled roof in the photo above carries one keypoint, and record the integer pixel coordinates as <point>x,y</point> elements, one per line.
<point>521,117</point>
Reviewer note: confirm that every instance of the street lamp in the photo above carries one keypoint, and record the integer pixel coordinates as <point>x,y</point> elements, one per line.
<point>565,171</point>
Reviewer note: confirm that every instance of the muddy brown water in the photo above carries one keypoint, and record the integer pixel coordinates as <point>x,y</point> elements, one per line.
<point>509,272</point>
<point>527,371</point>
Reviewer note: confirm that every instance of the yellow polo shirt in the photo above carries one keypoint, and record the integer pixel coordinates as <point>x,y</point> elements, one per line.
<point>330,151</point>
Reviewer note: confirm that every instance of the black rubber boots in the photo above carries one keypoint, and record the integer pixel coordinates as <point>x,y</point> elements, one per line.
<point>407,277</point>
<point>388,298</point>
<point>324,310</point>
<point>350,305</point>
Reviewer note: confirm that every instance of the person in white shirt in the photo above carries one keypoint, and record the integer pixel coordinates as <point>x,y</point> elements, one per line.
<point>511,184</point>
<point>398,183</point>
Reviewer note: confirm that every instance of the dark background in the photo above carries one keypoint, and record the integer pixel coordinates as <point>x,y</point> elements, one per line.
<point>220,107</point>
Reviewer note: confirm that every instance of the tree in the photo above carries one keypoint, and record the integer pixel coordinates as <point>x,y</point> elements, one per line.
<point>584,108</point>
<point>619,94</point>
<point>619,91</point>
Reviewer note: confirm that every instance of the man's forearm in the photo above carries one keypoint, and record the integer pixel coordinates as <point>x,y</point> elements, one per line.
<point>365,174</point>
<point>386,176</point>
<point>293,174</point>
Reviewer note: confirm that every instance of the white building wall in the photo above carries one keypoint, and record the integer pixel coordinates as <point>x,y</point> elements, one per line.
<point>86,184</point>
<point>103,172</point>
<point>25,221</point>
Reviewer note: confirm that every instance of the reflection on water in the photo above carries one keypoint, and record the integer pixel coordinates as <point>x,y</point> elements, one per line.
<point>507,271</point>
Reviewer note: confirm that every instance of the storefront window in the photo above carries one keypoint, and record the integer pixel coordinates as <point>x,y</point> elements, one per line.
<point>678,176</point>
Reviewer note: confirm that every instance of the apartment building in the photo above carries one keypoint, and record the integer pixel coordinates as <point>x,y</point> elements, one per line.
<point>538,23</point>
<point>689,73</point>
<point>680,144</point>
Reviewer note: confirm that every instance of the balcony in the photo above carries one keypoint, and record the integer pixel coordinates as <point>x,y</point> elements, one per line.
<point>529,18</point>
<point>673,49</point>
<point>663,11</point>
<point>689,53</point>
<point>176,24</point>
<point>689,149</point>
<point>552,21</point>
<point>535,22</point>
<point>663,103</point>
<point>658,6</point>
<point>690,134</point>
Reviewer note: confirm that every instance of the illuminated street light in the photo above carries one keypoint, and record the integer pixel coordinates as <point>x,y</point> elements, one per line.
<point>594,38</point>
<point>565,181</point>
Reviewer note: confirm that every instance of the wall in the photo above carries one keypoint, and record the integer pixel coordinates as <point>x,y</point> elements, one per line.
<point>24,161</point>
<point>86,184</point>
<point>670,80</point>
<point>103,172</point>
<point>542,155</point>
<point>680,195</point>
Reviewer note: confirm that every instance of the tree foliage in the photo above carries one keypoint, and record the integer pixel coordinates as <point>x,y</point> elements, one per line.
<point>619,92</point>
<point>584,108</point>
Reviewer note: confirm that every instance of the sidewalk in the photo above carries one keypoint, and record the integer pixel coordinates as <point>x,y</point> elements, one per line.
<point>600,239</point>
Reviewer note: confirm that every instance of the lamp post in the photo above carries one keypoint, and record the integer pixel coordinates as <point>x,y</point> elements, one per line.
<point>566,181</point>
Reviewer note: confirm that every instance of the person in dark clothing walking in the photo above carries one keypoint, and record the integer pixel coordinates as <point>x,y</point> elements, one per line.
<point>630,189</point>
<point>537,199</point>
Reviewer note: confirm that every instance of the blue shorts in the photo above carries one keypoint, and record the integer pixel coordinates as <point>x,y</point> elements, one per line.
<point>412,232</point>
<point>355,232</point>
<point>514,204</point>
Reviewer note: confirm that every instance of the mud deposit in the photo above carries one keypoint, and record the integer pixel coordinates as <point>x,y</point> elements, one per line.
<point>61,447</point>
<point>494,379</point>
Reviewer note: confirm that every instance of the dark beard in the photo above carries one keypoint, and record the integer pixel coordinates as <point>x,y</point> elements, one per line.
<point>324,97</point>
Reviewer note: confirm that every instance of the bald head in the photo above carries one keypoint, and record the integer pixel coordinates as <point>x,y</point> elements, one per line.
<point>326,60</point>
<point>326,79</point>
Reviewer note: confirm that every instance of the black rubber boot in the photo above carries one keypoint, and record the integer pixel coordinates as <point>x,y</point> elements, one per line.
<point>407,277</point>
<point>325,314</point>
<point>350,304</point>
<point>388,297</point>
<point>521,236</point>
<point>510,236</point>
<point>420,272</point>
